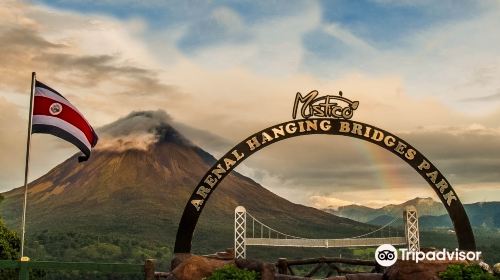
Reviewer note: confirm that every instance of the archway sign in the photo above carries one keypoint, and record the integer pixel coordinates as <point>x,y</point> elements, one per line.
<point>330,115</point>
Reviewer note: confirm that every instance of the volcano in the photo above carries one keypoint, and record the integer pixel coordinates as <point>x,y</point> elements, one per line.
<point>139,179</point>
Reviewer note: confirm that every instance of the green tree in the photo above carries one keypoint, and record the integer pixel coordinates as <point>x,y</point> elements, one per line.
<point>10,244</point>
<point>231,272</point>
<point>465,272</point>
<point>9,248</point>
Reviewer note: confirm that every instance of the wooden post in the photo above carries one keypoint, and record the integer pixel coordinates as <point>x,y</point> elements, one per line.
<point>149,269</point>
<point>282,266</point>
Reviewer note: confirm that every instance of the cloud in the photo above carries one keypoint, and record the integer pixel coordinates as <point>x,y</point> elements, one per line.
<point>25,49</point>
<point>469,154</point>
<point>139,122</point>
<point>275,51</point>
<point>95,61</point>
<point>137,130</point>
<point>11,145</point>
<point>18,50</point>
<point>243,78</point>
<point>103,85</point>
<point>140,129</point>
<point>322,202</point>
<point>330,202</point>
<point>487,98</point>
<point>222,26</point>
<point>449,57</point>
<point>355,171</point>
<point>347,37</point>
<point>212,143</point>
<point>477,192</point>
<point>46,151</point>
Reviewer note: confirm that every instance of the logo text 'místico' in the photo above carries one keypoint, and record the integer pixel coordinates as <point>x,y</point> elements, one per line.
<point>328,106</point>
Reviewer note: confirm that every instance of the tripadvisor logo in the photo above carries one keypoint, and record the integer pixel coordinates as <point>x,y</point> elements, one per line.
<point>387,255</point>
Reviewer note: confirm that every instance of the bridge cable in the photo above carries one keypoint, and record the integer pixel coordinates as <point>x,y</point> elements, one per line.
<point>384,226</point>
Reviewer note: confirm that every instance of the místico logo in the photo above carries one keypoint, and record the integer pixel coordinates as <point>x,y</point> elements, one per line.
<point>386,255</point>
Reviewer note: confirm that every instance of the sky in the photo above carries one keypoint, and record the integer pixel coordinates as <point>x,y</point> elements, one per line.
<point>426,71</point>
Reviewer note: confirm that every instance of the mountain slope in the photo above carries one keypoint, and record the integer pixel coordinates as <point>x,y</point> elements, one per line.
<point>137,183</point>
<point>425,207</point>
<point>432,214</point>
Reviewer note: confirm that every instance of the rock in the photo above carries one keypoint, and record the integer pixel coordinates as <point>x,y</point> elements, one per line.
<point>290,277</point>
<point>228,254</point>
<point>409,270</point>
<point>364,276</point>
<point>496,269</point>
<point>485,267</point>
<point>359,276</point>
<point>249,264</point>
<point>170,276</point>
<point>197,267</point>
<point>266,270</point>
<point>178,259</point>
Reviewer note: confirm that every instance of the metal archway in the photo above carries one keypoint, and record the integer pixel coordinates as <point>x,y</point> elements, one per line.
<point>343,127</point>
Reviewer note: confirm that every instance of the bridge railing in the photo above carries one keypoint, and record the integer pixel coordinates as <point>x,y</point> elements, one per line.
<point>326,243</point>
<point>26,268</point>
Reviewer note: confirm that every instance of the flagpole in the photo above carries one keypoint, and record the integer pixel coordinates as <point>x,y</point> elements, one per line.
<point>26,166</point>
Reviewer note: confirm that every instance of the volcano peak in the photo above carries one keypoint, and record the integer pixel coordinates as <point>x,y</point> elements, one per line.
<point>140,130</point>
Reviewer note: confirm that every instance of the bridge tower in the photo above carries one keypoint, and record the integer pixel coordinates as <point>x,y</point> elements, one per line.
<point>410,216</point>
<point>240,236</point>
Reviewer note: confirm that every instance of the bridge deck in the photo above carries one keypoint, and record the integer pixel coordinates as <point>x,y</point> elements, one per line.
<point>326,243</point>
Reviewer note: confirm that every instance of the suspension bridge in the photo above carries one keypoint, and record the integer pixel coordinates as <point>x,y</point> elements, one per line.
<point>249,231</point>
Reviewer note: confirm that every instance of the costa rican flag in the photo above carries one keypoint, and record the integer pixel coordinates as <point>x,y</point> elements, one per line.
<point>54,114</point>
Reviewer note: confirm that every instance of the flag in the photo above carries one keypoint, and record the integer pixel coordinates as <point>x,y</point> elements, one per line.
<point>54,114</point>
